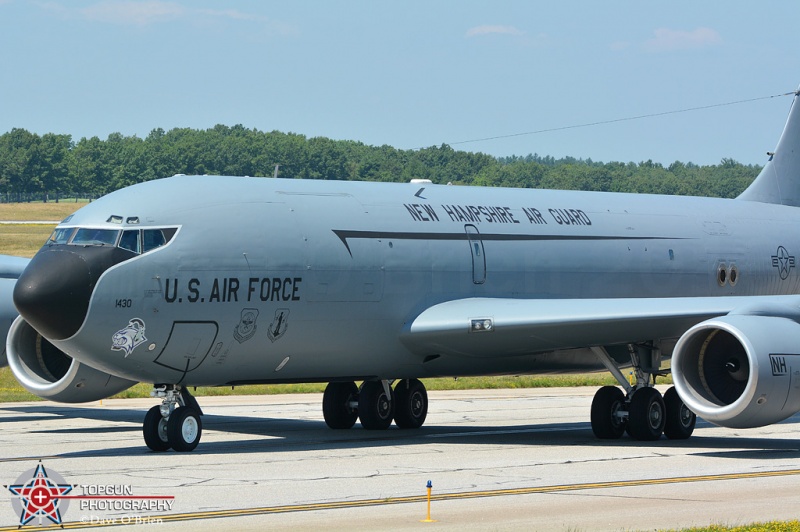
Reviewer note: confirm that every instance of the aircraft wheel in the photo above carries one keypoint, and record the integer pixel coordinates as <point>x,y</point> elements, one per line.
<point>155,430</point>
<point>646,414</point>
<point>184,429</point>
<point>411,404</point>
<point>607,403</point>
<point>336,403</point>
<point>375,409</point>
<point>680,420</point>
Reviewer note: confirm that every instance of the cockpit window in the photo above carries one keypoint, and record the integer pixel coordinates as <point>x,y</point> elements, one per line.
<point>61,236</point>
<point>130,241</point>
<point>152,239</point>
<point>135,240</point>
<point>95,237</point>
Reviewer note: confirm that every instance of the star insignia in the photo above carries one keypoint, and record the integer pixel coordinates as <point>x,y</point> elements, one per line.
<point>783,261</point>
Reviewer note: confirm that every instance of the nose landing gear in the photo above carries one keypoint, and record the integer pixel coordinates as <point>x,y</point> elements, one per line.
<point>175,423</point>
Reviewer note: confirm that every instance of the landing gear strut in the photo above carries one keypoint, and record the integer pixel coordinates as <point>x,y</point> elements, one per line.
<point>175,423</point>
<point>375,404</point>
<point>640,410</point>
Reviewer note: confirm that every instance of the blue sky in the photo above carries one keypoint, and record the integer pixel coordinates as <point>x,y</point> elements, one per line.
<point>411,74</point>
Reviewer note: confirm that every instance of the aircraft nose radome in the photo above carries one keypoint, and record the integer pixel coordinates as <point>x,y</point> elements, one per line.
<point>53,292</point>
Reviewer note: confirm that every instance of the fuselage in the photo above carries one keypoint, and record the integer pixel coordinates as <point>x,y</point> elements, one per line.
<point>273,280</point>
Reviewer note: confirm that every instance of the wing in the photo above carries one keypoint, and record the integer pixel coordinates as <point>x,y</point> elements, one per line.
<point>11,267</point>
<point>492,327</point>
<point>10,270</point>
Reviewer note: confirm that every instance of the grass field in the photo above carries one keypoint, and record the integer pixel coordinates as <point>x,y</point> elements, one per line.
<point>773,526</point>
<point>39,211</point>
<point>23,240</point>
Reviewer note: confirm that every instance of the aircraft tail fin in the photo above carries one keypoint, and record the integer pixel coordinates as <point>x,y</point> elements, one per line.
<point>779,180</point>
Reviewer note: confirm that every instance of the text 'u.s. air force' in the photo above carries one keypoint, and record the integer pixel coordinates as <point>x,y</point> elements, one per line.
<point>232,289</point>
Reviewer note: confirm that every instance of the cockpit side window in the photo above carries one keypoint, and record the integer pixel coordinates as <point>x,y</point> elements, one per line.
<point>152,239</point>
<point>155,238</point>
<point>95,237</point>
<point>168,233</point>
<point>130,241</point>
<point>61,236</point>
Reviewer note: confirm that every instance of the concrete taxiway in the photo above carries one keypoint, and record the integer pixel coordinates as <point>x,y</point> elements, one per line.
<point>497,460</point>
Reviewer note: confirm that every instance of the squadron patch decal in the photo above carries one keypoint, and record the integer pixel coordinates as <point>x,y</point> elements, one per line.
<point>278,326</point>
<point>247,325</point>
<point>130,337</point>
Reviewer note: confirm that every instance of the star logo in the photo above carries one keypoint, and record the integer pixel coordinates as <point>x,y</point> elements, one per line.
<point>783,261</point>
<point>38,494</point>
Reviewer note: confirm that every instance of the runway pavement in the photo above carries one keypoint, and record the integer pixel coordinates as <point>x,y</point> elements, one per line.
<point>497,460</point>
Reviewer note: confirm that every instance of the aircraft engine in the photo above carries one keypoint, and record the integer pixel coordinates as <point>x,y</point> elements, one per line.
<point>47,372</point>
<point>740,371</point>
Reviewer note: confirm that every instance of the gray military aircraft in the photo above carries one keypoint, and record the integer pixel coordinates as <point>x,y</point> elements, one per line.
<point>222,281</point>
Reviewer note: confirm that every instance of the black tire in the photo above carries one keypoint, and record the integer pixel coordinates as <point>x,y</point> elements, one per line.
<point>375,409</point>
<point>184,429</point>
<point>411,404</point>
<point>154,429</point>
<point>680,420</point>
<point>646,415</point>
<point>336,407</point>
<point>607,402</point>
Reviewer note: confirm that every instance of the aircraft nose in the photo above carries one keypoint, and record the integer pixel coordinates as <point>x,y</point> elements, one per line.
<point>53,292</point>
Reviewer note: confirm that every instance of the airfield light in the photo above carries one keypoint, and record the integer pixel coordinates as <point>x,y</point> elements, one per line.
<point>428,519</point>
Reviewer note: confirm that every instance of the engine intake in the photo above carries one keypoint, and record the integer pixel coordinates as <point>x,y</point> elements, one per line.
<point>740,371</point>
<point>47,372</point>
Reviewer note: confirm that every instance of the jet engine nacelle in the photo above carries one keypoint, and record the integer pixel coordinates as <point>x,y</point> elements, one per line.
<point>740,371</point>
<point>47,372</point>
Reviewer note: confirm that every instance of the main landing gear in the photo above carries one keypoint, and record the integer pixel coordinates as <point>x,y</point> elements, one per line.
<point>640,411</point>
<point>376,404</point>
<point>175,423</point>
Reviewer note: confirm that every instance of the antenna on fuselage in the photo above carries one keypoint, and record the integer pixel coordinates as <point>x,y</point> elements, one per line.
<point>275,174</point>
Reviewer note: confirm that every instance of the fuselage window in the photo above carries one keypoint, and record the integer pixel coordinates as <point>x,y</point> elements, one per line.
<point>95,237</point>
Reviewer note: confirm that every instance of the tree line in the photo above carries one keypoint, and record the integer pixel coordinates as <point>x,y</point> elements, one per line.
<point>53,165</point>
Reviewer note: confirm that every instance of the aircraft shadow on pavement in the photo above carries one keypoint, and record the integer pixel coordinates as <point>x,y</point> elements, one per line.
<point>275,435</point>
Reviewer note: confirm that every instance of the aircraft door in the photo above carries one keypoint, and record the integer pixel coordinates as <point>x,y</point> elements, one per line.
<point>188,345</point>
<point>478,255</point>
